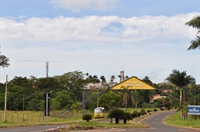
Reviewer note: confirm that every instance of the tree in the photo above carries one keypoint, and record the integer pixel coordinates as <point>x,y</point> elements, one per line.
<point>195,23</point>
<point>93,79</point>
<point>110,100</point>
<point>125,97</point>
<point>147,80</point>
<point>112,78</point>
<point>117,114</point>
<point>103,79</point>
<point>4,61</point>
<point>87,117</point>
<point>74,82</point>
<point>180,79</point>
<point>135,98</point>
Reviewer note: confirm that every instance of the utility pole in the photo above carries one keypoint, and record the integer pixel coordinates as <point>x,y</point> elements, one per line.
<point>5,105</point>
<point>47,68</point>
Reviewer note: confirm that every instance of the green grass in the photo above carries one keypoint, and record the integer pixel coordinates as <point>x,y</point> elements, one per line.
<point>29,118</point>
<point>138,109</point>
<point>176,120</point>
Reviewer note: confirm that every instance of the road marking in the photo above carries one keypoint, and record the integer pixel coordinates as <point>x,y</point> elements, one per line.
<point>182,129</point>
<point>122,130</point>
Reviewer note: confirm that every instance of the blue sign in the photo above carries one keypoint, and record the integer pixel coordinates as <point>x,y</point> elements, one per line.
<point>193,109</point>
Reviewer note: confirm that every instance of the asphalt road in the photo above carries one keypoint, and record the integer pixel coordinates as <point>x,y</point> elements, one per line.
<point>155,121</point>
<point>30,128</point>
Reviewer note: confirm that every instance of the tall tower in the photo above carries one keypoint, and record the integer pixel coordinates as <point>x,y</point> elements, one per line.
<point>47,68</point>
<point>122,75</point>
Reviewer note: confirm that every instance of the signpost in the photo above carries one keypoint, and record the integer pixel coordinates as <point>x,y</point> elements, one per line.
<point>47,107</point>
<point>193,109</point>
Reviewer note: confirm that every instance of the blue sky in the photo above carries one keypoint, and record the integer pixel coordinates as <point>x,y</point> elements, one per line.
<point>125,8</point>
<point>146,37</point>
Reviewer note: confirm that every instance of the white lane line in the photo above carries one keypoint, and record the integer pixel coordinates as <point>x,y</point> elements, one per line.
<point>121,130</point>
<point>182,129</point>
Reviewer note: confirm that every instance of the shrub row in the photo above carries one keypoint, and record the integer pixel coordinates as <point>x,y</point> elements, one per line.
<point>120,114</point>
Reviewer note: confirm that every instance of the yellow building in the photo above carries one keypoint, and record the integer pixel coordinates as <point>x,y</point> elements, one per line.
<point>132,83</point>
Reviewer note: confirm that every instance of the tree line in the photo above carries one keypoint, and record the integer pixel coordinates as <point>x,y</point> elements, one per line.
<point>66,92</point>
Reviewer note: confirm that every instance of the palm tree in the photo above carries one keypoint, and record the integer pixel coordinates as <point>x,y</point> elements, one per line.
<point>103,79</point>
<point>195,23</point>
<point>112,78</point>
<point>180,79</point>
<point>4,61</point>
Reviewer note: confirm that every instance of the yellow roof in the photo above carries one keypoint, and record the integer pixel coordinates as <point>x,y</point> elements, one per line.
<point>133,83</point>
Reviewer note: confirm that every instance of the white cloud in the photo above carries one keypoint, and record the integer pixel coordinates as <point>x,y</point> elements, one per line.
<point>77,5</point>
<point>95,28</point>
<point>99,45</point>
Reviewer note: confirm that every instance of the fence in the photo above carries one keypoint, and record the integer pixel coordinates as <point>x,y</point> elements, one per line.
<point>36,117</point>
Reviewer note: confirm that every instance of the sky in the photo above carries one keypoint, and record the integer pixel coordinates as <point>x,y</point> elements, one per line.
<point>99,37</point>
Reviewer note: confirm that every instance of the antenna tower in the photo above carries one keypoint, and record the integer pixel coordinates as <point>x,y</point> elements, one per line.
<point>122,75</point>
<point>47,68</point>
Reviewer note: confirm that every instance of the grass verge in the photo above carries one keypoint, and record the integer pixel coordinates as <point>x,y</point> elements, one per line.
<point>176,120</point>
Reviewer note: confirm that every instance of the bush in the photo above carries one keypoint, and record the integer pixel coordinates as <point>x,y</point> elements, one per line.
<point>117,114</point>
<point>142,112</point>
<point>149,111</point>
<point>134,114</point>
<point>128,116</point>
<point>155,110</point>
<point>87,117</point>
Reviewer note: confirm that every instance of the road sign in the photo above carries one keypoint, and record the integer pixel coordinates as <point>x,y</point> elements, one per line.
<point>46,104</point>
<point>193,109</point>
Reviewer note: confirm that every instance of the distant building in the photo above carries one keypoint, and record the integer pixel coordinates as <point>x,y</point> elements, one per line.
<point>158,96</point>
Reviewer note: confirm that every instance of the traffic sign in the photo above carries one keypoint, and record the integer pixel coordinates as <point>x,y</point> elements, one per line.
<point>47,104</point>
<point>193,109</point>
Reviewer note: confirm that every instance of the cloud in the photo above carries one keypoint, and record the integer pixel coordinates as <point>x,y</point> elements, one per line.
<point>99,45</point>
<point>98,28</point>
<point>78,5</point>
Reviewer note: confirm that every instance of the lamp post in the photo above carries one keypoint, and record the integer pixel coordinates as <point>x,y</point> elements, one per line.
<point>5,105</point>
<point>97,97</point>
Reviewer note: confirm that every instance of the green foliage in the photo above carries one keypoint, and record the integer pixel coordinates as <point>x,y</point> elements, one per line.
<point>155,110</point>
<point>128,116</point>
<point>195,23</point>
<point>61,100</point>
<point>87,117</point>
<point>117,113</point>
<point>66,90</point>
<point>4,61</point>
<point>177,120</point>
<point>135,114</point>
<point>149,111</point>
<point>142,112</point>
<point>180,79</point>
<point>110,100</point>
